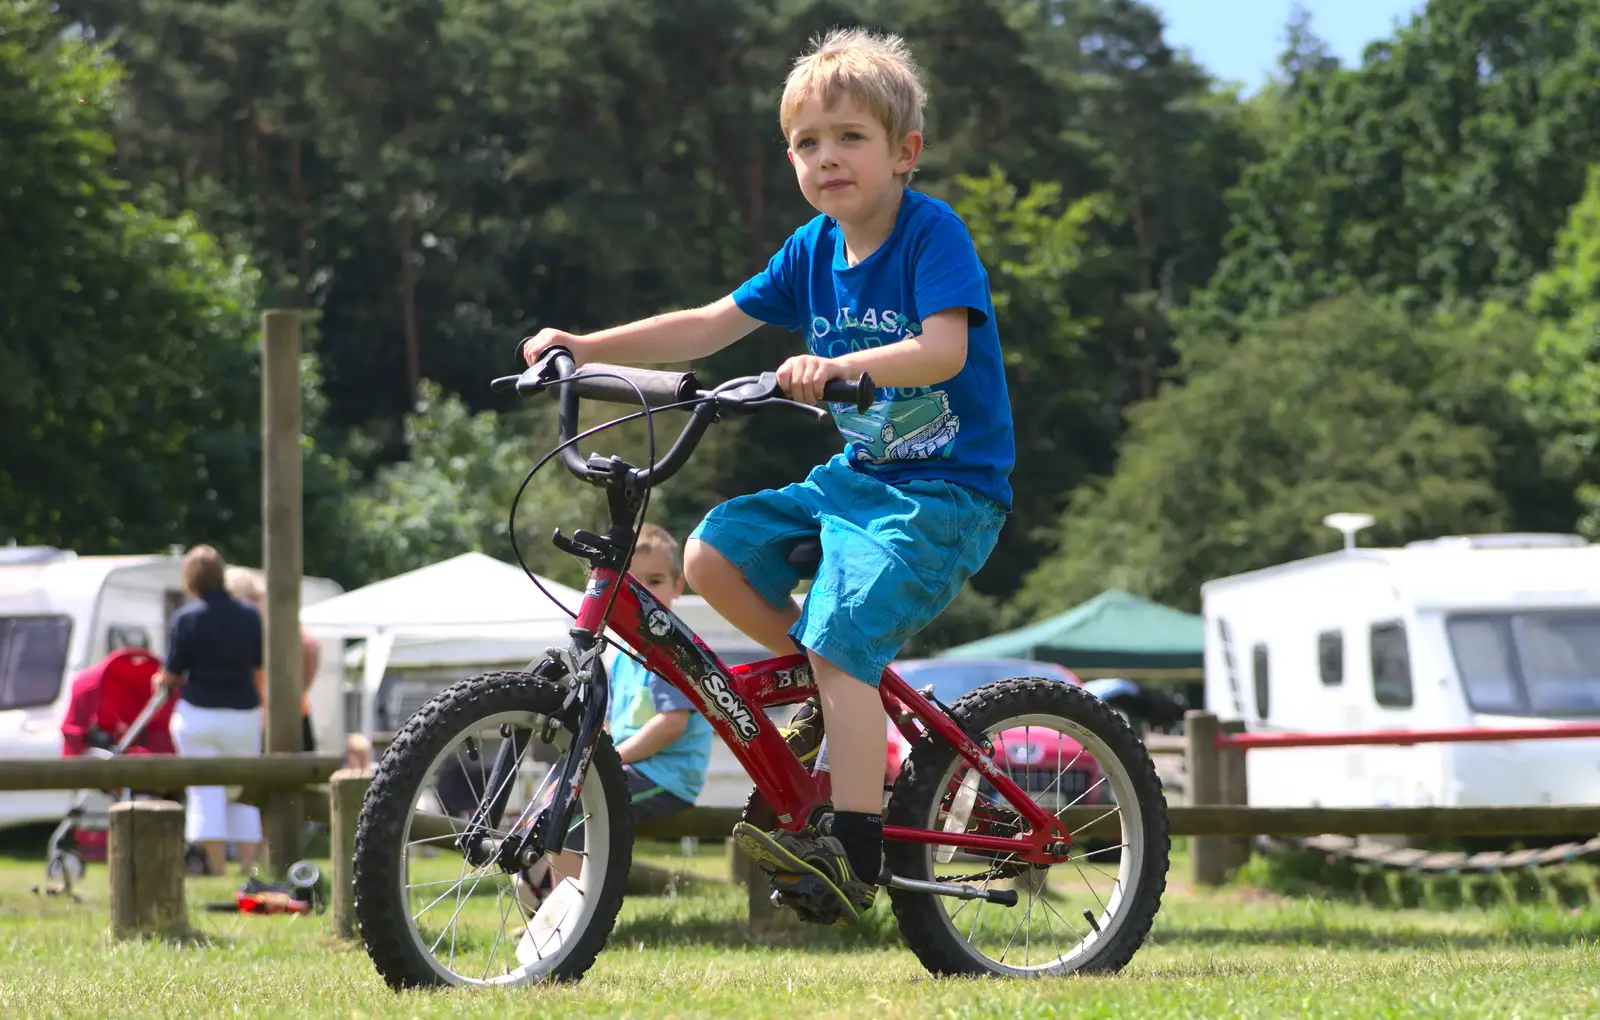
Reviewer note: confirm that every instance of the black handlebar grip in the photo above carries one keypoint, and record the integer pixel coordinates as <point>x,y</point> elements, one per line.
<point>850,391</point>
<point>659,388</point>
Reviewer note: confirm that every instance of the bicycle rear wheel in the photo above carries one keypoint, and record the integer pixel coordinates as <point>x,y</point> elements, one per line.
<point>429,915</point>
<point>1066,749</point>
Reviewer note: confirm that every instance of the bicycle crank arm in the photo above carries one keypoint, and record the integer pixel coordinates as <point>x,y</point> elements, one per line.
<point>1004,897</point>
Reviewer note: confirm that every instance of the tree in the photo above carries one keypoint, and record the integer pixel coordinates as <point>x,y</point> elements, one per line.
<point>127,335</point>
<point>454,493</point>
<point>1561,386</point>
<point>1350,405</point>
<point>1035,247</point>
<point>1438,171</point>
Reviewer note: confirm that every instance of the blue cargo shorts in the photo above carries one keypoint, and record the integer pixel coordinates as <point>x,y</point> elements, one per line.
<point>893,556</point>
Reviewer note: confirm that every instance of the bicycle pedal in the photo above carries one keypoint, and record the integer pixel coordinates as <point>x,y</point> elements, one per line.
<point>808,896</point>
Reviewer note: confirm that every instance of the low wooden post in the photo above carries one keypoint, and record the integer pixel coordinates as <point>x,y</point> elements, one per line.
<point>346,790</point>
<point>1235,791</point>
<point>1208,855</point>
<point>145,860</point>
<point>737,872</point>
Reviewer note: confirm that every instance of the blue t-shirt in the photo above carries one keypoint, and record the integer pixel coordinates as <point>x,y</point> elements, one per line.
<point>215,645</point>
<point>959,430</point>
<point>637,695</point>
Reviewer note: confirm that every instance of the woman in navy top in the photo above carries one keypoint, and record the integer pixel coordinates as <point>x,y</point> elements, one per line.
<point>213,658</point>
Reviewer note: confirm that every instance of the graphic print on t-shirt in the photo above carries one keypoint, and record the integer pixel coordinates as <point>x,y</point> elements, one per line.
<point>919,428</point>
<point>915,424</point>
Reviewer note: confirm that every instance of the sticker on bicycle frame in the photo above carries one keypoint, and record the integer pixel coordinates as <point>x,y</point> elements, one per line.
<point>791,676</point>
<point>658,623</point>
<point>715,687</point>
<point>596,586</point>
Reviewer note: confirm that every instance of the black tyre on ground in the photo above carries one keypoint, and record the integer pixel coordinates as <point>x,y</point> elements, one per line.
<point>383,833</point>
<point>923,790</point>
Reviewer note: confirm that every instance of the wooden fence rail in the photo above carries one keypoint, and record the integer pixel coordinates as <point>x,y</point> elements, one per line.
<point>166,771</point>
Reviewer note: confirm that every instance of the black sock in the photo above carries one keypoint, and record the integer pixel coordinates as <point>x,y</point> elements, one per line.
<point>861,835</point>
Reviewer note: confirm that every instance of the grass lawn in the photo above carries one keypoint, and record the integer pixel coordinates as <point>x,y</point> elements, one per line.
<point>1232,953</point>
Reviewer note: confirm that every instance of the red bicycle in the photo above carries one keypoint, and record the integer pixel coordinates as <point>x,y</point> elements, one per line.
<point>1026,833</point>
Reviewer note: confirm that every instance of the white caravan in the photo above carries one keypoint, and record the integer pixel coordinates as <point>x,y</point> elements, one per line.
<point>1482,631</point>
<point>61,612</point>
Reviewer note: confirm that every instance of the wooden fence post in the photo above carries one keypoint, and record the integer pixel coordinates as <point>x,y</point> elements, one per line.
<point>1235,791</point>
<point>281,558</point>
<point>346,790</point>
<point>145,859</point>
<point>1208,855</point>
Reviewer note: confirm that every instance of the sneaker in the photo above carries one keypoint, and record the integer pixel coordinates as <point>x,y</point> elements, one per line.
<point>804,732</point>
<point>788,855</point>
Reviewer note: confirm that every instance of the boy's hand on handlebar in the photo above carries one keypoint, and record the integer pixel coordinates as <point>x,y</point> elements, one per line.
<point>803,376</point>
<point>548,337</point>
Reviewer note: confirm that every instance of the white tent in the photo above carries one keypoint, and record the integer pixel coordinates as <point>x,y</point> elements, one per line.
<point>468,609</point>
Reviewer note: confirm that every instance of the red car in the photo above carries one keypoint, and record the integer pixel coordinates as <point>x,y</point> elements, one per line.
<point>1034,757</point>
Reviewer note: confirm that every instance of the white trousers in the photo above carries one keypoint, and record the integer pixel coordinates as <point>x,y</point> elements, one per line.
<point>211,733</point>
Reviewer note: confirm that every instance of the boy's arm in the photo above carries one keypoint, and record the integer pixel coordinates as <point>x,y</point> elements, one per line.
<point>654,736</point>
<point>676,336</point>
<point>934,356</point>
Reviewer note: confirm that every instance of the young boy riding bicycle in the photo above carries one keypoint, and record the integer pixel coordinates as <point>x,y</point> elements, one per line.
<point>885,281</point>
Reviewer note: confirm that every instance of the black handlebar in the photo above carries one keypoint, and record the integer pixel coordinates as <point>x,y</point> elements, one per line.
<point>625,385</point>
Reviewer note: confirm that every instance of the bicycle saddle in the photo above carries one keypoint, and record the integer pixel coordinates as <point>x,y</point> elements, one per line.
<point>805,555</point>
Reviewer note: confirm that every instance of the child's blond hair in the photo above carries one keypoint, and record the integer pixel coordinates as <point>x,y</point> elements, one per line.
<point>244,583</point>
<point>655,538</point>
<point>876,71</point>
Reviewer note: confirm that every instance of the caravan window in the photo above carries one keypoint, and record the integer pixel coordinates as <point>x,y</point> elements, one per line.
<point>1258,655</point>
<point>1541,663</point>
<point>1391,666</point>
<point>1330,657</point>
<point>1486,663</point>
<point>33,659</point>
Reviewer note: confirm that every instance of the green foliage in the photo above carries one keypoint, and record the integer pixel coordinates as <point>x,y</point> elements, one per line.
<point>126,334</point>
<point>1561,385</point>
<point>1035,245</point>
<point>454,493</point>
<point>1348,406</point>
<point>1439,170</point>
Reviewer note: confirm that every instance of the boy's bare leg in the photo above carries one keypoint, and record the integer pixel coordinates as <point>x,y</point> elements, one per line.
<point>858,739</point>
<point>714,577</point>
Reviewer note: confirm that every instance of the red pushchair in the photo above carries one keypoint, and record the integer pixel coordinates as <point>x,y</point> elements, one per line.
<point>111,711</point>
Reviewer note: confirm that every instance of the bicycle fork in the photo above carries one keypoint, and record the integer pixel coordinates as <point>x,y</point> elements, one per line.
<point>547,832</point>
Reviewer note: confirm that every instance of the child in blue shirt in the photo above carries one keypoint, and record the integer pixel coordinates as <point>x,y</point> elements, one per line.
<point>664,744</point>
<point>885,280</point>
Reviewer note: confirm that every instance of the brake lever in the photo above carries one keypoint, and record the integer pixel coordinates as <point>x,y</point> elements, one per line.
<point>539,375</point>
<point>811,409</point>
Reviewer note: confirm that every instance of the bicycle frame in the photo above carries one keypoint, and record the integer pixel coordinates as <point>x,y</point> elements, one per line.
<point>734,699</point>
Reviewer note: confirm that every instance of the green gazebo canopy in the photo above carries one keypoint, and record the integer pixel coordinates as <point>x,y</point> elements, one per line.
<point>1114,632</point>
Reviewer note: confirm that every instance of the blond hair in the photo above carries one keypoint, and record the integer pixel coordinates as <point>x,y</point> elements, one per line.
<point>202,570</point>
<point>247,584</point>
<point>876,71</point>
<point>655,538</point>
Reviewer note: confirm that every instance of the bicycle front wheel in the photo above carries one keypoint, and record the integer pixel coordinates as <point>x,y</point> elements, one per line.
<point>429,913</point>
<point>1072,755</point>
